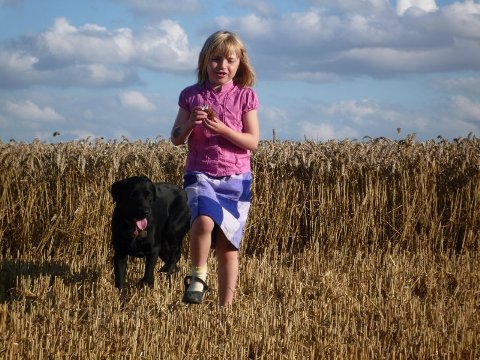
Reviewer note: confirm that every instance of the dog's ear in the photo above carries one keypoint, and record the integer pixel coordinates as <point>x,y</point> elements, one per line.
<point>117,189</point>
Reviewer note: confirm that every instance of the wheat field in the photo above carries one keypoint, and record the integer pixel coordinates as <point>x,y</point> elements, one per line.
<point>353,250</point>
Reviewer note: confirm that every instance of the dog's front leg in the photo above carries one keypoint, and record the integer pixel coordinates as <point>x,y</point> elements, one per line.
<point>150,262</point>
<point>120,269</point>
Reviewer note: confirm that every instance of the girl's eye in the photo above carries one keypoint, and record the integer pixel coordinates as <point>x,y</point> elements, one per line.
<point>220,59</point>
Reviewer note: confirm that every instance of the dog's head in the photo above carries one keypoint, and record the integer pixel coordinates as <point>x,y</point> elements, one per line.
<point>134,197</point>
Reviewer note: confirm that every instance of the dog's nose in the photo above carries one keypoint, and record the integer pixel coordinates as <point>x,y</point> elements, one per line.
<point>145,212</point>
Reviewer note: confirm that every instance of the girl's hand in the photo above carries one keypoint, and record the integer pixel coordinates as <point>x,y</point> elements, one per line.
<point>215,126</point>
<point>185,123</point>
<point>196,117</point>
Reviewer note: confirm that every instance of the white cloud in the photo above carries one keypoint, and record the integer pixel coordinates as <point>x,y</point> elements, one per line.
<point>101,74</point>
<point>320,132</point>
<point>274,119</point>
<point>425,5</point>
<point>352,119</point>
<point>326,131</point>
<point>466,108</point>
<point>356,118</point>
<point>385,60</point>
<point>20,69</point>
<point>136,100</point>
<point>65,44</point>
<point>164,46</point>
<point>251,26</point>
<point>316,45</point>
<point>463,19</point>
<point>351,43</point>
<point>324,42</point>
<point>155,7</point>
<point>356,6</point>
<point>315,77</point>
<point>92,55</point>
<point>361,113</point>
<point>466,84</point>
<point>27,110</point>
<point>261,7</point>
<point>79,134</point>
<point>354,109</point>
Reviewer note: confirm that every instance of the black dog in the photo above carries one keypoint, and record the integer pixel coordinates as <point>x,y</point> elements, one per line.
<point>150,220</point>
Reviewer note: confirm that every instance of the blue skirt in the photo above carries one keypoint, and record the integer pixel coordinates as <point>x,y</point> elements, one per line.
<point>226,200</point>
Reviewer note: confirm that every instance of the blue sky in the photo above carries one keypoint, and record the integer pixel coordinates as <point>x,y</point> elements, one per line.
<point>327,69</point>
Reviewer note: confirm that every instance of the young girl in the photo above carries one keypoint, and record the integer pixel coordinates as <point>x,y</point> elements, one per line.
<point>218,118</point>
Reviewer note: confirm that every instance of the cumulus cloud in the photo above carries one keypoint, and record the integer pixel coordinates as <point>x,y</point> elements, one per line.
<point>319,132</point>
<point>466,108</point>
<point>358,118</point>
<point>462,20</point>
<point>384,61</point>
<point>351,43</point>
<point>155,7</point>
<point>353,109</point>
<point>424,5</point>
<point>136,100</point>
<point>92,55</point>
<point>326,131</point>
<point>274,119</point>
<point>261,7</point>
<point>354,119</point>
<point>64,44</point>
<point>250,25</point>
<point>464,84</point>
<point>27,110</point>
<point>363,6</point>
<point>316,45</point>
<point>20,69</point>
<point>163,46</point>
<point>314,77</point>
<point>326,41</point>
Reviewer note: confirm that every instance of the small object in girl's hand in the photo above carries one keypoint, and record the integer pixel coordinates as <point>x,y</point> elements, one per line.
<point>209,111</point>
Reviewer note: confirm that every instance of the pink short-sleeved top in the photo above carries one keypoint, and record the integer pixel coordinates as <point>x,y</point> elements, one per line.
<point>210,153</point>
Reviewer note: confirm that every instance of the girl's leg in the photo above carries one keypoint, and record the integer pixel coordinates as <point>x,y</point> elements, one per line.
<point>227,256</point>
<point>200,243</point>
<point>201,240</point>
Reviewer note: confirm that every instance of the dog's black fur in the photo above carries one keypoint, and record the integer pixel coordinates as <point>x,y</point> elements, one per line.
<point>163,209</point>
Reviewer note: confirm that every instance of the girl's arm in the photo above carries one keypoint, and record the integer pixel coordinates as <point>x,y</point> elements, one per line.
<point>248,139</point>
<point>184,124</point>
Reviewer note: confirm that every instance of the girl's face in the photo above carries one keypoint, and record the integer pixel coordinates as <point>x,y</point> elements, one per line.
<point>221,68</point>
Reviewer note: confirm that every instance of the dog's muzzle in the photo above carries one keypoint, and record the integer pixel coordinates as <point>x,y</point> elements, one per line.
<point>140,226</point>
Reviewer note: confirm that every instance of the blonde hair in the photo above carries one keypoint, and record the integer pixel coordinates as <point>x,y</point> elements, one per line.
<point>224,43</point>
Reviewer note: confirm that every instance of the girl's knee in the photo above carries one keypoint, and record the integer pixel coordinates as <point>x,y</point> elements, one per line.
<point>203,224</point>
